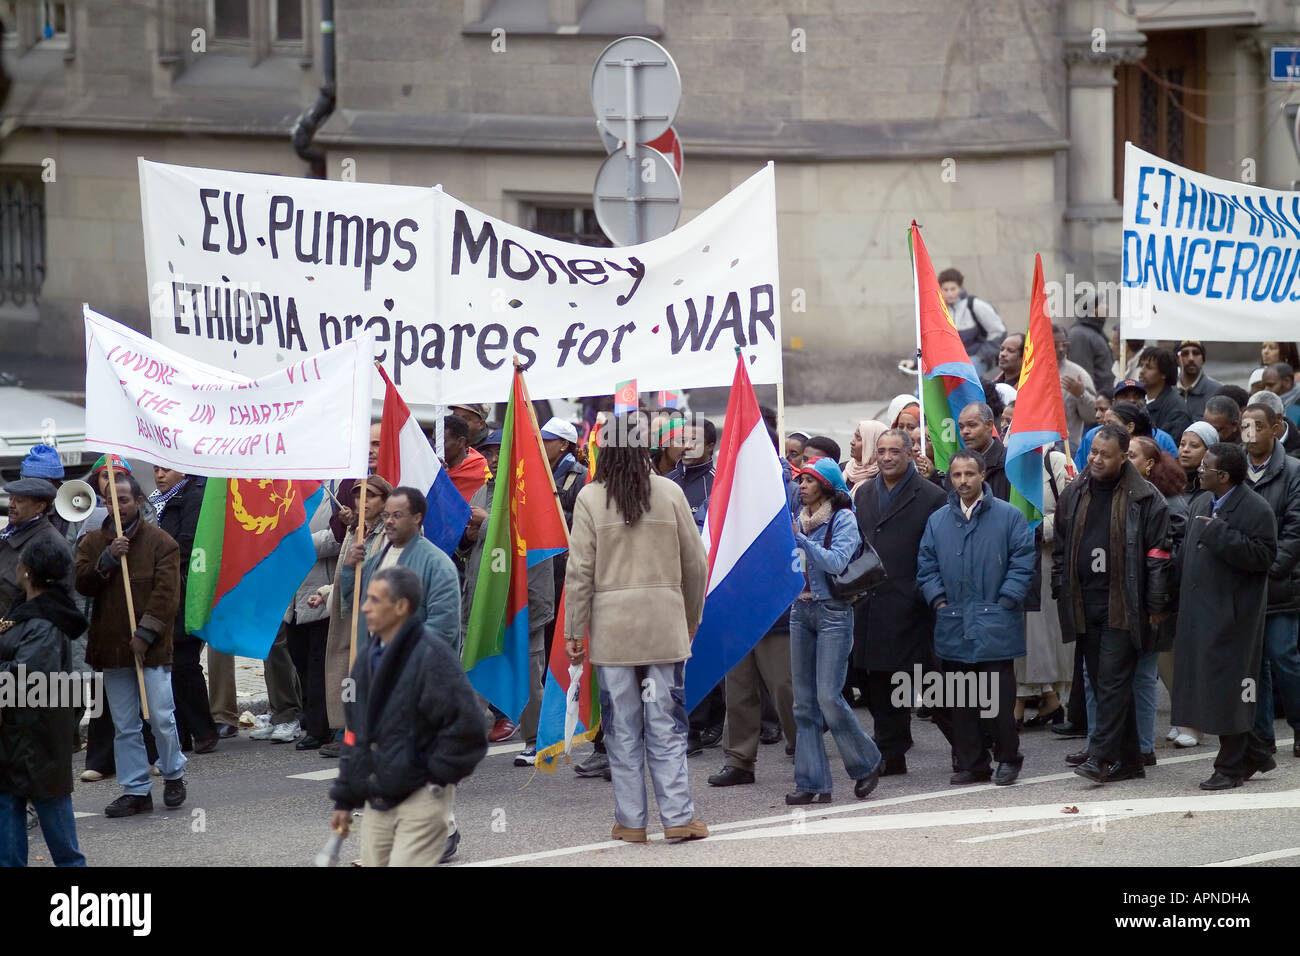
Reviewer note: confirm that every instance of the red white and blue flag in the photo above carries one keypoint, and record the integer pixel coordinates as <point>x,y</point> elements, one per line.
<point>407,458</point>
<point>753,574</point>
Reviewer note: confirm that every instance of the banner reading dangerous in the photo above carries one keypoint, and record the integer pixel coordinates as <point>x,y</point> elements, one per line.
<point>1207,258</point>
<point>255,272</point>
<point>310,419</point>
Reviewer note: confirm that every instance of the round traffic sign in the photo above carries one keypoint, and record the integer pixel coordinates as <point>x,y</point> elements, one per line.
<point>639,70</point>
<point>639,199</point>
<point>669,144</point>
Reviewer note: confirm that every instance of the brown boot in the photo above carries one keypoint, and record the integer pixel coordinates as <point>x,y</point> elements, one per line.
<point>695,830</point>
<point>628,834</point>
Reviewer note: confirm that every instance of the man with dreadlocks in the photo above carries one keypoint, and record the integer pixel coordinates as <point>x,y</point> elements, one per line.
<point>635,555</point>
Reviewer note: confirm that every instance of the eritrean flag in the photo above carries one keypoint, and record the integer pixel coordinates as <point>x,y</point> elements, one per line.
<point>570,702</point>
<point>950,382</point>
<point>1040,409</point>
<point>252,549</point>
<point>526,526</point>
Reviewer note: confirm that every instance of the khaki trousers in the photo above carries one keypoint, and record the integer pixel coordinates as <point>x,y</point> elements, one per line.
<point>413,833</point>
<point>769,659</point>
<point>221,688</point>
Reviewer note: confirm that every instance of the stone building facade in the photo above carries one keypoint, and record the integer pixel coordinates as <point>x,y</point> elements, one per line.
<point>996,125</point>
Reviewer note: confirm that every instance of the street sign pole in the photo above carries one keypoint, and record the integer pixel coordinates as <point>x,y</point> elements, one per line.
<point>633,190</point>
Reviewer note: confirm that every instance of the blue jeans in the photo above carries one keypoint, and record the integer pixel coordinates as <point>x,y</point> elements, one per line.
<point>1144,699</point>
<point>58,826</point>
<point>1281,665</point>
<point>128,745</point>
<point>821,638</point>
<point>647,725</point>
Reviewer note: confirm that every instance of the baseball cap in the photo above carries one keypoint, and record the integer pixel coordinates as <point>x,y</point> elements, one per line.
<point>480,410</point>
<point>559,428</point>
<point>494,438</point>
<point>1129,383</point>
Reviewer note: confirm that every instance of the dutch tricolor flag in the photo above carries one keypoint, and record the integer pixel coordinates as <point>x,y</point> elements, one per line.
<point>753,572</point>
<point>407,458</point>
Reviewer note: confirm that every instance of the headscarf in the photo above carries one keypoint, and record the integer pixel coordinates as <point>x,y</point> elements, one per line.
<point>1206,432</point>
<point>899,405</point>
<point>856,471</point>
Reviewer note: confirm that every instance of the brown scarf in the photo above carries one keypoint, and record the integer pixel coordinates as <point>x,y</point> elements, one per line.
<point>1117,611</point>
<point>810,521</point>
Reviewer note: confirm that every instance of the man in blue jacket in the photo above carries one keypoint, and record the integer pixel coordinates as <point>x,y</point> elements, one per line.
<point>975,568</point>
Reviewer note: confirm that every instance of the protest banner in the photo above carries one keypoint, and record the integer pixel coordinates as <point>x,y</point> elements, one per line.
<point>263,270</point>
<point>1206,258</point>
<point>310,419</point>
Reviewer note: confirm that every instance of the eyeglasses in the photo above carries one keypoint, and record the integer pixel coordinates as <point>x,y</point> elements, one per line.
<point>1202,469</point>
<point>394,515</point>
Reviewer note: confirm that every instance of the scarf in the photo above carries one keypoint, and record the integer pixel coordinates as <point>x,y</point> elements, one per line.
<point>810,521</point>
<point>159,499</point>
<point>864,468</point>
<point>898,405</point>
<point>12,529</point>
<point>1117,611</point>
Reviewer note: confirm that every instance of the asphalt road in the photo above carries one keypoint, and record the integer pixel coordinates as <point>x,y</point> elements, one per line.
<point>263,804</point>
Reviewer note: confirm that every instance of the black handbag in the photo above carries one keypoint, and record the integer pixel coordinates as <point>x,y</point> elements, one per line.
<point>864,572</point>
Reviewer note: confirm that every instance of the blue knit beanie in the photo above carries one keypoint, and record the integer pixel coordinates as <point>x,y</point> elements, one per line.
<point>42,462</point>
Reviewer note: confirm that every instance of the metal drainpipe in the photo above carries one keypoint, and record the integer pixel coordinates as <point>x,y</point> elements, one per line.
<point>304,128</point>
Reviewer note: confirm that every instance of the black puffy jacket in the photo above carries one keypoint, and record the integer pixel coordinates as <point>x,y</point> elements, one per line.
<point>1280,487</point>
<point>36,742</point>
<point>1147,557</point>
<point>414,721</point>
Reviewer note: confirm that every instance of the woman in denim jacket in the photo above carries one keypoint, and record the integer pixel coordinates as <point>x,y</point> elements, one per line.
<point>821,638</point>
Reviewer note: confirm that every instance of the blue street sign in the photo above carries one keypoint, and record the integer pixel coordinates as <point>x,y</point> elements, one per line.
<point>1284,64</point>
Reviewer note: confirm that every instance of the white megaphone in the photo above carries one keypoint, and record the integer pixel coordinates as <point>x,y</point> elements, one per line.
<point>75,501</point>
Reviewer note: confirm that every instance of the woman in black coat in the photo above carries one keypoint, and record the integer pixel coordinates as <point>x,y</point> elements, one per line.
<point>36,741</point>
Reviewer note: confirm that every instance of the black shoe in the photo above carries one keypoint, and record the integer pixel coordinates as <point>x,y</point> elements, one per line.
<point>800,797</point>
<point>1149,760</point>
<point>892,766</point>
<point>309,743</point>
<point>1295,748</point>
<point>971,776</point>
<point>862,789</point>
<point>924,713</point>
<point>205,745</point>
<point>1052,718</point>
<point>694,747</point>
<point>1075,759</point>
<point>711,736</point>
<point>1258,766</point>
<point>595,765</point>
<point>332,749</point>
<point>453,844</point>
<point>173,793</point>
<point>770,734</point>
<point>226,731</point>
<point>1007,772</point>
<point>128,805</point>
<point>1126,771</point>
<point>1220,781</point>
<point>607,774</point>
<point>1068,730</point>
<point>731,777</point>
<point>789,749</point>
<point>1098,771</point>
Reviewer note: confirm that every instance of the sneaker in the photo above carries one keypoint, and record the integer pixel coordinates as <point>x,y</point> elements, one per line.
<point>502,729</point>
<point>286,733</point>
<point>128,805</point>
<point>1186,740</point>
<point>1173,734</point>
<point>173,793</point>
<point>92,776</point>
<point>262,733</point>
<point>594,766</point>
<point>526,758</point>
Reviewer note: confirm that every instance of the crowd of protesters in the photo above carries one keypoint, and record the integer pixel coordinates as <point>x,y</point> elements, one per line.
<point>1169,551</point>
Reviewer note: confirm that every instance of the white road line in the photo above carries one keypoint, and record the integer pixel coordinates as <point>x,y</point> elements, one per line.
<point>1258,857</point>
<point>1110,810</point>
<point>329,773</point>
<point>855,807</point>
<point>78,814</point>
<point>1030,831</point>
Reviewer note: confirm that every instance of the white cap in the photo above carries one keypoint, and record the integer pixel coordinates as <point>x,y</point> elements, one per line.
<point>1006,392</point>
<point>559,428</point>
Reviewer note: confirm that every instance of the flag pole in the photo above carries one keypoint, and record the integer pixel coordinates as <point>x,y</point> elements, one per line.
<point>916,305</point>
<point>360,534</point>
<point>126,583</point>
<point>537,434</point>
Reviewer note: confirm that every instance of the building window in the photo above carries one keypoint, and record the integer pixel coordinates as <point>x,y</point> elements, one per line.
<point>246,21</point>
<point>230,19</point>
<point>286,19</point>
<point>567,223</point>
<point>54,20</point>
<point>561,17</point>
<point>22,238</point>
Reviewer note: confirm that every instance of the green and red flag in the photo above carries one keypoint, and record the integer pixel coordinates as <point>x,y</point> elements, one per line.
<point>1040,410</point>
<point>525,526</point>
<point>252,549</point>
<point>626,398</point>
<point>950,382</point>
